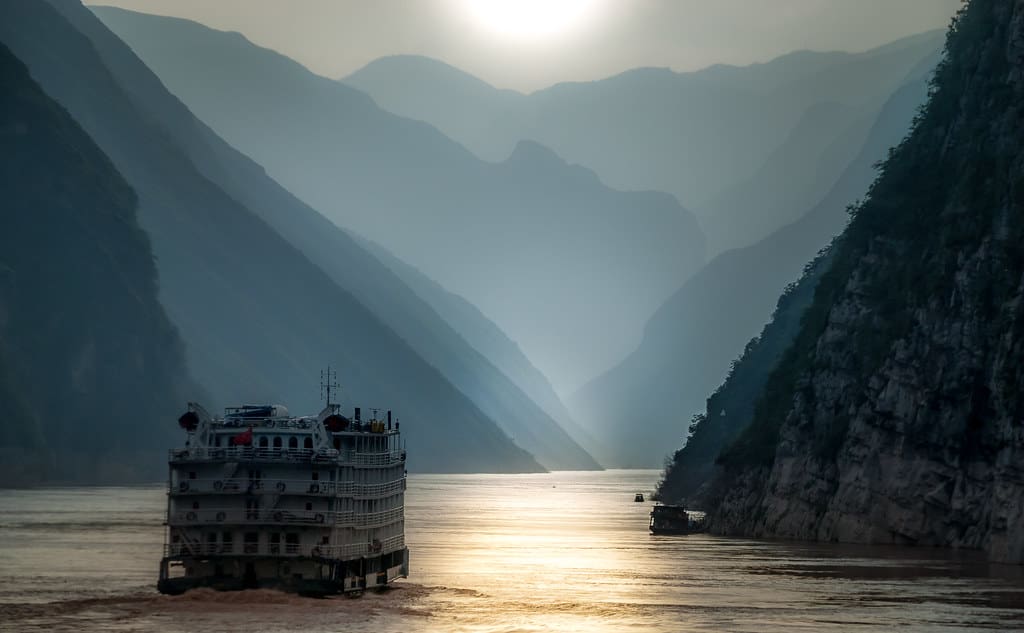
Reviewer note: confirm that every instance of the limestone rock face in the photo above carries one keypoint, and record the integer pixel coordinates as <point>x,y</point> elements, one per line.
<point>898,415</point>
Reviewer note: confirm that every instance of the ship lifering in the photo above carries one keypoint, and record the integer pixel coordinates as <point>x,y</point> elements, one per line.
<point>183,486</point>
<point>217,485</point>
<point>320,518</point>
<point>314,488</point>
<point>278,516</point>
<point>281,486</point>
<point>221,516</point>
<point>191,516</point>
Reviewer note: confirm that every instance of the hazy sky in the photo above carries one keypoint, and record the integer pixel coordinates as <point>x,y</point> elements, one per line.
<point>530,44</point>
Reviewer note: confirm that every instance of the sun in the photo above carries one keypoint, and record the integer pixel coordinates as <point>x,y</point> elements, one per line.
<point>530,19</point>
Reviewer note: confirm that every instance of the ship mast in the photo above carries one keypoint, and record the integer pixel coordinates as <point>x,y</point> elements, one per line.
<point>328,382</point>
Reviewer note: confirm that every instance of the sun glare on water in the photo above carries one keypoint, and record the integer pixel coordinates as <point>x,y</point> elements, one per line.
<point>531,19</point>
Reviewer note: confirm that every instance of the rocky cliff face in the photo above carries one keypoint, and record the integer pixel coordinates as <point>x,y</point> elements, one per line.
<point>897,415</point>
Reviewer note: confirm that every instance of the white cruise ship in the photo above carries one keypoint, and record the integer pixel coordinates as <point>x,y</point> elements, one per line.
<point>259,498</point>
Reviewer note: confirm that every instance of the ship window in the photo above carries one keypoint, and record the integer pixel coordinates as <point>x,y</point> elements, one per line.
<point>293,442</point>
<point>307,443</point>
<point>192,474</point>
<point>252,540</point>
<point>263,442</point>
<point>309,506</point>
<point>315,475</point>
<point>277,442</point>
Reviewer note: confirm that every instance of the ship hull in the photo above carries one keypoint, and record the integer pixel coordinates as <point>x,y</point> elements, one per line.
<point>338,577</point>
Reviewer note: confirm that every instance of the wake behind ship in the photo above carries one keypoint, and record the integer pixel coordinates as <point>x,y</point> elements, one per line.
<point>312,504</point>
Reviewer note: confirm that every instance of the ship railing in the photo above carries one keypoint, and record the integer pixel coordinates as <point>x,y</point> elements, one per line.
<point>239,453</point>
<point>375,459</point>
<point>379,490</point>
<point>258,486</point>
<point>356,550</point>
<point>260,515</point>
<point>340,552</point>
<point>379,519</point>
<point>244,453</point>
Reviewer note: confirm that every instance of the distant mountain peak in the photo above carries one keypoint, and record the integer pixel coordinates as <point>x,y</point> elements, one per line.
<point>527,151</point>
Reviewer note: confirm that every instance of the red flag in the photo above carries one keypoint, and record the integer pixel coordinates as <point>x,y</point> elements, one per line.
<point>243,439</point>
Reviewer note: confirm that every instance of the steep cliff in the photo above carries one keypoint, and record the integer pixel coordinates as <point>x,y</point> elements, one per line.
<point>896,416</point>
<point>730,408</point>
<point>90,366</point>
<point>257,316</point>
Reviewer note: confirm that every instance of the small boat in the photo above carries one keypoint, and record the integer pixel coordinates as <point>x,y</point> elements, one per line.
<point>639,498</point>
<point>677,520</point>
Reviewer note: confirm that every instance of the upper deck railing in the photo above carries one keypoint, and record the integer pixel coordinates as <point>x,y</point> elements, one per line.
<point>305,487</point>
<point>250,453</point>
<point>283,516</point>
<point>291,550</point>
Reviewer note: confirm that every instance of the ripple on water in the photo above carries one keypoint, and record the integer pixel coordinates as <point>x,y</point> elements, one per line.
<point>497,554</point>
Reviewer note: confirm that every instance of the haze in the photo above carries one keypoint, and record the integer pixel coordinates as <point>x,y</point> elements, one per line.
<point>335,39</point>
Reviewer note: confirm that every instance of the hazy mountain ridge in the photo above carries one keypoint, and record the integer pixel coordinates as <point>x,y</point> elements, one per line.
<point>347,263</point>
<point>257,317</point>
<point>689,342</point>
<point>537,232</point>
<point>895,415</point>
<point>695,135</point>
<point>89,362</point>
<point>494,345</point>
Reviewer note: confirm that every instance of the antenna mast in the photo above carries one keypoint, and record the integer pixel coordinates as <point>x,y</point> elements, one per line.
<point>328,382</point>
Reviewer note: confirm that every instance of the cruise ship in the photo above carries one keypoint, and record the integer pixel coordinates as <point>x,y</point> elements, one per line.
<point>259,498</point>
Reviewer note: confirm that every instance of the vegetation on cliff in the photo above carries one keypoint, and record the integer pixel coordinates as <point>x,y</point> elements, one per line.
<point>895,415</point>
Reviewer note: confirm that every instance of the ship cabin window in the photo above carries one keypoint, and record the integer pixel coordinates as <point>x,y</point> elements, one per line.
<point>277,442</point>
<point>315,476</point>
<point>252,542</point>
<point>263,442</point>
<point>309,506</point>
<point>293,442</point>
<point>275,543</point>
<point>192,474</point>
<point>307,443</point>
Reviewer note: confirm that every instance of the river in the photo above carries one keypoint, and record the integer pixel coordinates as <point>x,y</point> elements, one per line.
<point>498,553</point>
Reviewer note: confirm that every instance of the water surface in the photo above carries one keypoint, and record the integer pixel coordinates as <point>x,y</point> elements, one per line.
<point>498,553</point>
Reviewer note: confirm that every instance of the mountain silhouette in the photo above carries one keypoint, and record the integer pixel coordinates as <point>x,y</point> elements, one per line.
<point>689,343</point>
<point>569,268</point>
<point>760,129</point>
<point>89,361</point>
<point>257,316</point>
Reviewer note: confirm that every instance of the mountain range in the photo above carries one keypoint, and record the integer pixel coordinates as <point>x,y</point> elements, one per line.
<point>569,268</point>
<point>748,149</point>
<point>690,341</point>
<point>895,414</point>
<point>257,316</point>
<point>87,359</point>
